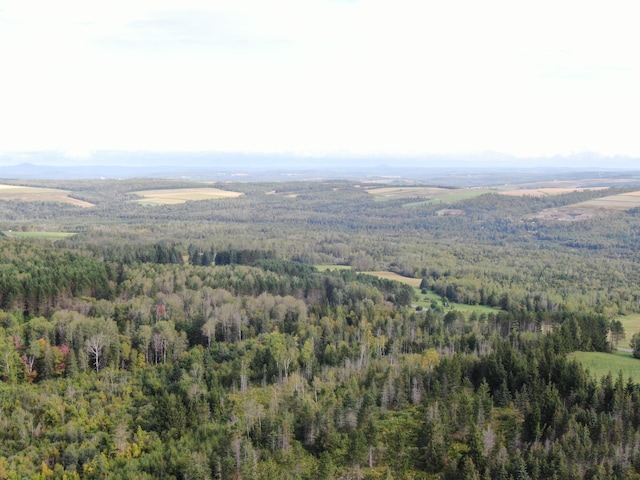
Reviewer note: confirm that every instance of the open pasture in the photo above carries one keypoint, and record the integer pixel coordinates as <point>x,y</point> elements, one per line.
<point>590,208</point>
<point>631,324</point>
<point>600,364</point>
<point>37,194</point>
<point>429,195</point>
<point>451,197</point>
<point>624,201</point>
<point>174,196</point>
<point>543,192</point>
<point>388,193</point>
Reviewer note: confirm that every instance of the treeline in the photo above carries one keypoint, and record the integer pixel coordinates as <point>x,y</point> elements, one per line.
<point>162,252</point>
<point>205,256</point>
<point>37,280</point>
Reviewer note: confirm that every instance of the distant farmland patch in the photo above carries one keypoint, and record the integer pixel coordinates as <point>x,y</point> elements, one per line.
<point>37,194</point>
<point>173,196</point>
<point>429,195</point>
<point>543,192</point>
<point>387,193</point>
<point>586,210</point>
<point>624,201</point>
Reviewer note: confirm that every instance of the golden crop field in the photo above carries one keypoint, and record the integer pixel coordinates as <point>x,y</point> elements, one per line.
<point>173,196</point>
<point>624,201</point>
<point>590,208</point>
<point>414,282</point>
<point>37,194</point>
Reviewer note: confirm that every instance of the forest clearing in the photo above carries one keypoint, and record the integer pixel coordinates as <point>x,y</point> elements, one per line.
<point>631,324</point>
<point>602,364</point>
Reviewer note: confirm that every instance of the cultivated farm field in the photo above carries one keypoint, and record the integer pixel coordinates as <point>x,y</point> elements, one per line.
<point>173,196</point>
<point>588,209</point>
<point>543,192</point>
<point>429,195</point>
<point>38,194</point>
<point>624,201</point>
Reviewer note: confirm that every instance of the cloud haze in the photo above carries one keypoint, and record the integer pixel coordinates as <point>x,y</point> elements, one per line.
<point>319,76</point>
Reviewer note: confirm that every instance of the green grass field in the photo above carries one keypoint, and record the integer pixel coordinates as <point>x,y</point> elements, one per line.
<point>431,195</point>
<point>426,299</point>
<point>451,197</point>
<point>631,324</point>
<point>600,364</point>
<point>43,235</point>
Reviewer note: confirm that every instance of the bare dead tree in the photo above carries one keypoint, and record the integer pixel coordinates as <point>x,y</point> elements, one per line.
<point>95,345</point>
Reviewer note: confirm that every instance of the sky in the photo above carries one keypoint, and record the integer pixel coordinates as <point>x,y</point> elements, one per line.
<point>320,77</point>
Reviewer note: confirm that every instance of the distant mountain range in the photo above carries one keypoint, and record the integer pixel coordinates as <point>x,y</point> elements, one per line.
<point>237,166</point>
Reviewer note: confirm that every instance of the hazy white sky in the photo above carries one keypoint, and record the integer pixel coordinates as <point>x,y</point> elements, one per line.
<point>320,76</point>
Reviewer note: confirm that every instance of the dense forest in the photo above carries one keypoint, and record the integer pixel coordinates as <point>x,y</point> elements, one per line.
<point>211,340</point>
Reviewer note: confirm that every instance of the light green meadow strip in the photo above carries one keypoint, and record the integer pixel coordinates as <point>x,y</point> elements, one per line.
<point>600,364</point>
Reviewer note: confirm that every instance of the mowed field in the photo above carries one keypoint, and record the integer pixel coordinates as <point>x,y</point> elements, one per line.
<point>173,196</point>
<point>600,364</point>
<point>624,201</point>
<point>37,194</point>
<point>543,192</point>
<point>429,195</point>
<point>631,324</point>
<point>590,208</point>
